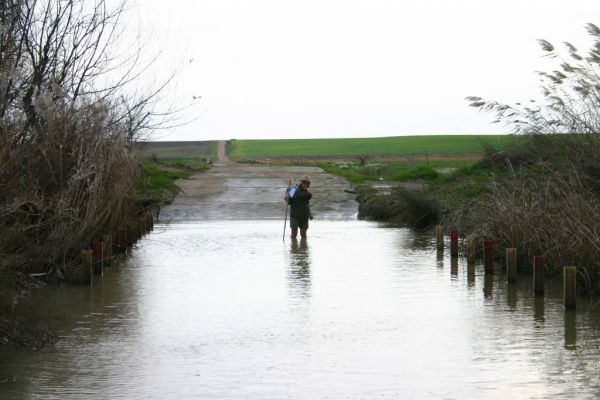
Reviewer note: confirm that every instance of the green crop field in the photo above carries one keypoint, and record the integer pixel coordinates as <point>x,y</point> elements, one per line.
<point>397,145</point>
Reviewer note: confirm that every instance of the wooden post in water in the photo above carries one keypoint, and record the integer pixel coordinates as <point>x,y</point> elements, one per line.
<point>86,266</point>
<point>108,250</point>
<point>471,251</point>
<point>98,257</point>
<point>511,264</point>
<point>539,273</point>
<point>439,234</point>
<point>453,243</point>
<point>488,257</point>
<point>570,278</point>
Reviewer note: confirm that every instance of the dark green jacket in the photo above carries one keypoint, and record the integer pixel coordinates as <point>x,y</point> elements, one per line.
<point>299,207</point>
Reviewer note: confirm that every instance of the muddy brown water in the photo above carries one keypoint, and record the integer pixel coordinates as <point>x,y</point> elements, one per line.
<point>213,304</point>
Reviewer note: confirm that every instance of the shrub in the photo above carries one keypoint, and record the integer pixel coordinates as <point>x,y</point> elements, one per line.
<point>421,172</point>
<point>554,215</point>
<point>67,167</point>
<point>407,207</point>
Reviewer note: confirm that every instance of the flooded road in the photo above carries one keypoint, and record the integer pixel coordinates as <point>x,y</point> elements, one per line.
<point>224,309</point>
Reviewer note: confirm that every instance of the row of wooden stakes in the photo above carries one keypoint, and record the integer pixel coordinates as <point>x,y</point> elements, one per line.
<point>539,265</point>
<point>103,253</point>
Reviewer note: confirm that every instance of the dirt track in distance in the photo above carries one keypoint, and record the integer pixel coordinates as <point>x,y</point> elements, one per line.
<point>234,191</point>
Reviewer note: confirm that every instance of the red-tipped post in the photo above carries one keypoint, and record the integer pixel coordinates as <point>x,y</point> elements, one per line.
<point>453,243</point>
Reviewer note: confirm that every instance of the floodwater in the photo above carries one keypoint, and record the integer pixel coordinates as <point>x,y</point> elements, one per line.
<point>218,306</point>
<point>227,310</point>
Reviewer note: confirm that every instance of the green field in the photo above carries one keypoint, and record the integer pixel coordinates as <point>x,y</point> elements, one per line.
<point>397,145</point>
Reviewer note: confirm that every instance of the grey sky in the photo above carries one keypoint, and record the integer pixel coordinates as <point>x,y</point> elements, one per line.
<point>333,68</point>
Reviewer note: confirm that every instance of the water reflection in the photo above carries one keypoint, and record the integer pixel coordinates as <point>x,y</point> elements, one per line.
<point>299,271</point>
<point>471,275</point>
<point>416,240</point>
<point>352,313</point>
<point>488,283</point>
<point>511,296</point>
<point>440,258</point>
<point>570,330</point>
<point>538,310</point>
<point>454,268</point>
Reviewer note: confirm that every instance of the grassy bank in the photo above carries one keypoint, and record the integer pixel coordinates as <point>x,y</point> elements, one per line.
<point>375,147</point>
<point>157,183</point>
<point>540,195</point>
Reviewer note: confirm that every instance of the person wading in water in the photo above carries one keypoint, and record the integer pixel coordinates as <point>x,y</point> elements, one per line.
<point>298,198</point>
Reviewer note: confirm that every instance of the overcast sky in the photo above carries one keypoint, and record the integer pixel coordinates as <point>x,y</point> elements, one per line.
<point>351,68</point>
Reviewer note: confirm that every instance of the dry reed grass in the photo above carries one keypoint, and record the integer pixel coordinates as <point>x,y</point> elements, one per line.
<point>552,214</point>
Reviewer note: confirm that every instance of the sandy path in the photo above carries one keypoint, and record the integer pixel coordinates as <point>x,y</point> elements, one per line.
<point>221,156</point>
<point>231,191</point>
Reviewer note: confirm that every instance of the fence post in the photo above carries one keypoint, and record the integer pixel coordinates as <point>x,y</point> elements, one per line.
<point>471,251</point>
<point>511,264</point>
<point>488,257</point>
<point>453,243</point>
<point>439,234</point>
<point>539,273</point>
<point>570,278</point>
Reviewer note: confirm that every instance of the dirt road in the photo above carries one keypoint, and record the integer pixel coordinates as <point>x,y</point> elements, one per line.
<point>231,191</point>
<point>221,148</point>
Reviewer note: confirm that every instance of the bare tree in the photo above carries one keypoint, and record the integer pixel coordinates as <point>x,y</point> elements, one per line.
<point>69,111</point>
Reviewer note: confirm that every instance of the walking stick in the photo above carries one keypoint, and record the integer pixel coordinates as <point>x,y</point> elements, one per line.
<point>286,211</point>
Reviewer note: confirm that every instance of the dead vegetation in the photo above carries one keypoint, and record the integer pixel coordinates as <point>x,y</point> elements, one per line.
<point>545,201</point>
<point>68,119</point>
<point>546,206</point>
